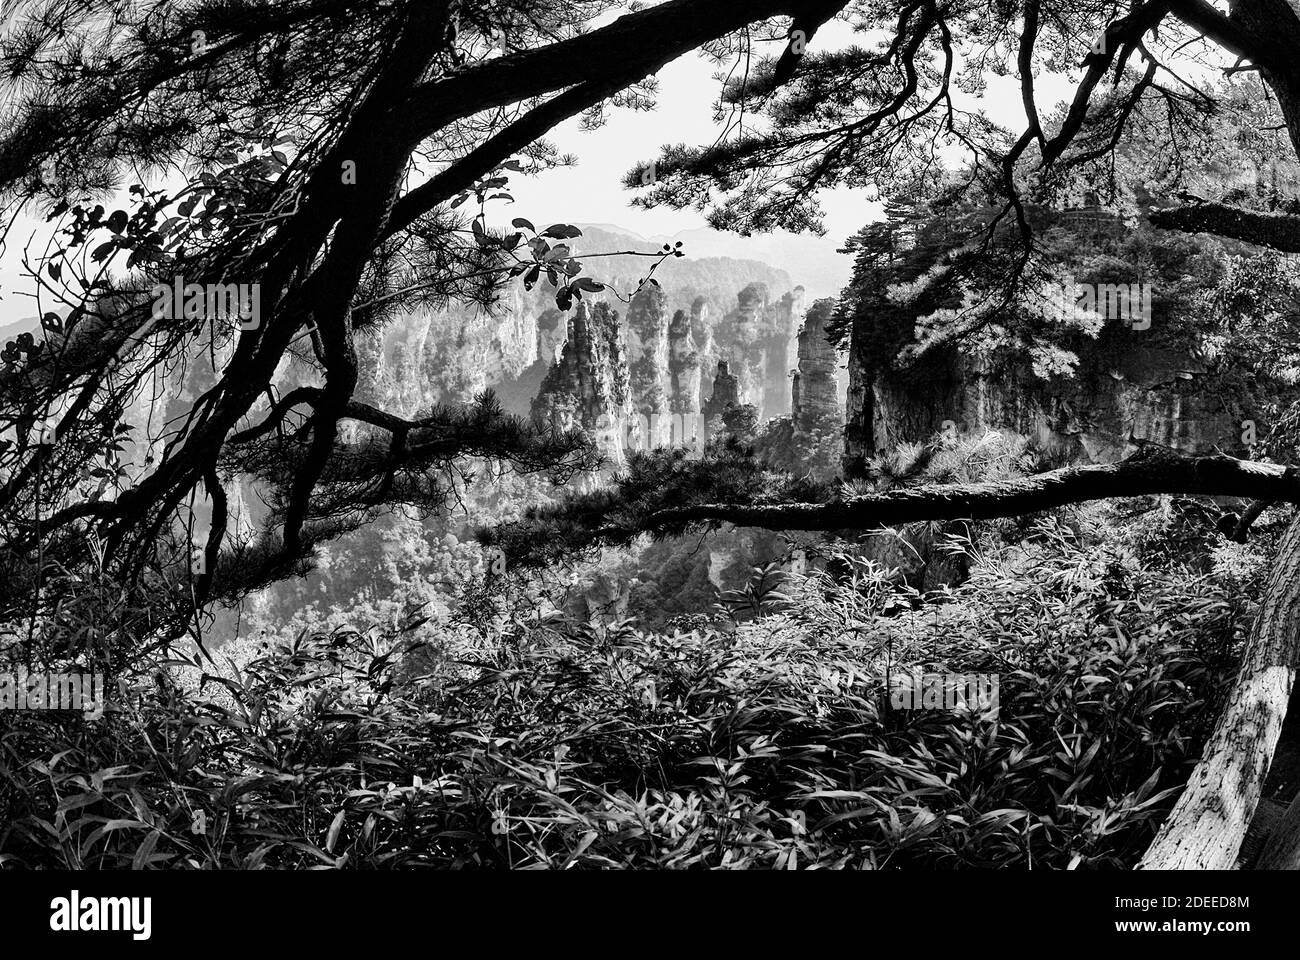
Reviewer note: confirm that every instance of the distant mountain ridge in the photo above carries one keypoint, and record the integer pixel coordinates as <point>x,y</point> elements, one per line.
<point>10,330</point>
<point>813,261</point>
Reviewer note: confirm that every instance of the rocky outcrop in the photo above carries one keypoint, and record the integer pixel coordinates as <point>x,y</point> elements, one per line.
<point>451,354</point>
<point>587,387</point>
<point>1077,391</point>
<point>741,365</point>
<point>725,397</point>
<point>455,353</point>
<point>782,320</point>
<point>647,346</point>
<point>720,309</point>
<point>814,394</point>
<point>517,394</point>
<point>702,335</point>
<point>1157,393</point>
<point>755,338</point>
<point>684,369</point>
<point>744,344</point>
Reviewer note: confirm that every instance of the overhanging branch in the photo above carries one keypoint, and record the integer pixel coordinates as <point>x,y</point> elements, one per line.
<point>637,43</point>
<point>1276,230</point>
<point>461,174</point>
<point>1147,472</point>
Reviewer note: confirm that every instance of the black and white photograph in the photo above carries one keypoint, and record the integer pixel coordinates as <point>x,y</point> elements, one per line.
<point>600,436</point>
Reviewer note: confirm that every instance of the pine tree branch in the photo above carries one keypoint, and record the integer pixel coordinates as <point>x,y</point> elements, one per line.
<point>535,124</point>
<point>636,44</point>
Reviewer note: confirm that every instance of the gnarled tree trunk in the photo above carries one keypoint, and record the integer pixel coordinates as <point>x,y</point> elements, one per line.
<point>1208,823</point>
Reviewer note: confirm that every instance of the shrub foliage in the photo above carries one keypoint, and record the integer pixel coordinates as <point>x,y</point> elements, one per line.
<point>730,740</point>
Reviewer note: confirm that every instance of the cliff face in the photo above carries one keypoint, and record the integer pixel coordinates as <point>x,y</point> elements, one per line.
<point>684,380</point>
<point>451,355</point>
<point>1101,376</point>
<point>455,353</point>
<point>517,393</point>
<point>725,397</point>
<point>745,344</point>
<point>672,365</point>
<point>783,319</point>
<point>814,401</point>
<point>587,387</point>
<point>1158,393</point>
<point>647,347</point>
<point>755,339</point>
<point>706,349</point>
<point>475,357</point>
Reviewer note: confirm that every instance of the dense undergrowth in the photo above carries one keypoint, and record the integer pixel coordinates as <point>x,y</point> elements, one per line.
<point>732,740</point>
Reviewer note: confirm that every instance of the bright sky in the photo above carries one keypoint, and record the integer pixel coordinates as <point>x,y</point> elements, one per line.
<point>592,191</point>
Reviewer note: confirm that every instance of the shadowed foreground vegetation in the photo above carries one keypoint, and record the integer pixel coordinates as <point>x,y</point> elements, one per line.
<point>727,741</point>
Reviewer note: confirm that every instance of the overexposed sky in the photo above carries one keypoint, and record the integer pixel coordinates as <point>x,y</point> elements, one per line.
<point>592,191</point>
